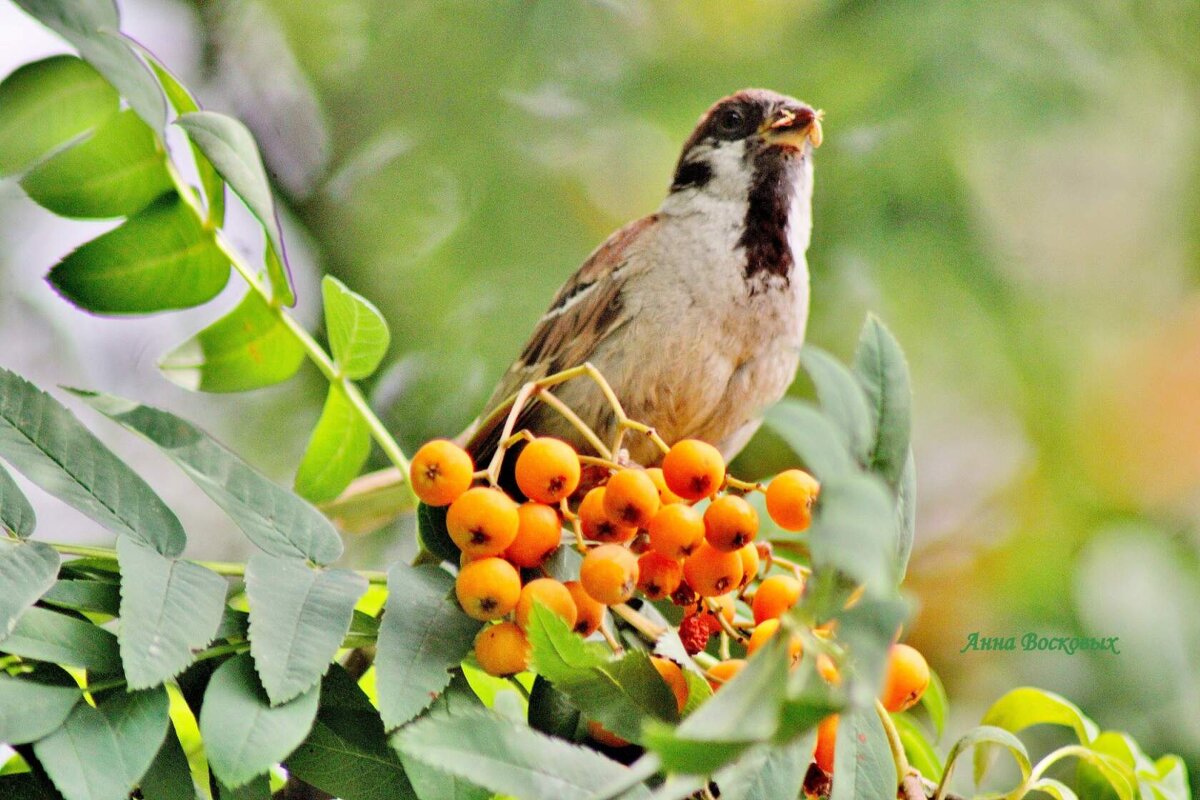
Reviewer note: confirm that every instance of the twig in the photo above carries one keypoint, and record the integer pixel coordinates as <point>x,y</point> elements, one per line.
<point>651,631</point>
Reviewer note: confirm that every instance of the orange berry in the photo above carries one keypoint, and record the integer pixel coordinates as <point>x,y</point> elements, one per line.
<point>790,497</point>
<point>631,498</point>
<point>609,573</point>
<point>828,670</point>
<point>604,736</point>
<point>665,495</point>
<point>502,649</point>
<point>774,596</point>
<point>539,533</point>
<point>547,470</point>
<point>483,521</point>
<point>711,572</point>
<point>676,530</point>
<point>749,555</point>
<point>589,613</point>
<point>673,675</point>
<point>906,679</point>
<point>440,472</point>
<point>595,523</point>
<point>550,593</point>
<point>730,523</point>
<point>826,739</point>
<point>488,588</point>
<point>764,631</point>
<point>723,671</point>
<point>658,576</point>
<point>693,469</point>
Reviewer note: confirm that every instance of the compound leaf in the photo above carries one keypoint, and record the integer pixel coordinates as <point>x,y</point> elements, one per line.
<point>16,513</point>
<point>27,571</point>
<point>48,636</point>
<point>33,705</point>
<point>336,451</point>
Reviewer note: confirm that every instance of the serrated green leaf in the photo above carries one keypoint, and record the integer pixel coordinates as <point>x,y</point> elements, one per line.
<point>161,259</point>
<point>619,693</point>
<point>429,783</point>
<point>169,608</point>
<point>854,531</point>
<point>423,634</point>
<point>862,766</point>
<point>935,703</point>
<point>45,105</point>
<point>866,630</point>
<point>101,753</point>
<point>244,735</point>
<point>510,758</point>
<point>921,752</point>
<point>230,147</point>
<point>880,366</point>
<point>987,735</point>
<point>169,776</point>
<point>27,571</point>
<point>552,713</point>
<point>16,513</point>
<point>115,171</point>
<point>298,618</point>
<point>35,705</point>
<point>811,436</point>
<point>336,451</point>
<point>842,399</point>
<point>46,443</point>
<point>767,773</point>
<point>248,348</point>
<point>273,518</point>
<point>100,597</point>
<point>358,333</point>
<point>346,754</point>
<point>47,636</point>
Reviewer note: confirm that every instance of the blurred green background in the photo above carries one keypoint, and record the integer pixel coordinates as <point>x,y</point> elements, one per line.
<point>1014,187</point>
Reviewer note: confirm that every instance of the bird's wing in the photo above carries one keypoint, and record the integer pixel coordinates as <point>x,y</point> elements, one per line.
<point>586,310</point>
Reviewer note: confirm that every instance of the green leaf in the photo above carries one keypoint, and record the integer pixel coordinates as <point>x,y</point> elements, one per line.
<point>745,712</point>
<point>15,512</point>
<point>842,400</point>
<point>863,766</point>
<point>987,735</point>
<point>813,437</point>
<point>510,758</point>
<point>346,754</point>
<point>424,633</point>
<point>100,597</point>
<point>47,636</point>
<point>336,451</point>
<point>1026,706</point>
<point>552,713</point>
<point>230,147</point>
<point>906,512</point>
<point>248,348</point>
<point>1106,771</point>
<point>169,608</point>
<point>432,531</point>
<point>298,618</point>
<point>767,773</point>
<point>169,776</point>
<point>620,694</point>
<point>101,753</point>
<point>921,752</point>
<point>430,784</point>
<point>358,334</point>
<point>1054,788</point>
<point>880,366</point>
<point>273,518</point>
<point>935,703</point>
<point>47,104</point>
<point>27,571</point>
<point>27,786</point>
<point>158,260</point>
<point>34,705</point>
<point>244,735</point>
<point>115,171</point>
<point>45,442</point>
<point>866,631</point>
<point>853,531</point>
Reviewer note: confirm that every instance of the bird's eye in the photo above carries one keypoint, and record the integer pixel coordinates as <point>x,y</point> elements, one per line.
<point>731,121</point>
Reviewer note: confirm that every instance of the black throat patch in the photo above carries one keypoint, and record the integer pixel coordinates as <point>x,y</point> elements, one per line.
<point>765,235</point>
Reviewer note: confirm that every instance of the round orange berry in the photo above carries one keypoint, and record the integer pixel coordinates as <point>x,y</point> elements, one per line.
<point>764,631</point>
<point>906,679</point>
<point>595,523</point>
<point>502,649</point>
<point>665,495</point>
<point>774,596</point>
<point>693,469</point>
<point>547,470</point>
<point>711,572</point>
<point>676,530</point>
<point>539,533</point>
<point>790,497</point>
<point>723,671</point>
<point>631,498</point>
<point>488,588</point>
<point>440,472</point>
<point>826,739</point>
<point>749,554</point>
<point>483,521</point>
<point>550,593</point>
<point>730,523</point>
<point>673,676</point>
<point>658,576</point>
<point>589,613</point>
<point>609,573</point>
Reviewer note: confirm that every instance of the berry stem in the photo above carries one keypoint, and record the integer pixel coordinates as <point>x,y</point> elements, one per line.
<point>651,631</point>
<point>743,486</point>
<point>577,423</point>
<point>613,644</point>
<point>907,778</point>
<point>726,628</point>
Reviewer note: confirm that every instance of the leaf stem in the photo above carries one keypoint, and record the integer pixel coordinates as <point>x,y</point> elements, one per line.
<point>904,771</point>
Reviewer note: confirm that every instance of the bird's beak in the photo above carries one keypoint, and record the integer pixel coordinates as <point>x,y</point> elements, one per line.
<point>793,129</point>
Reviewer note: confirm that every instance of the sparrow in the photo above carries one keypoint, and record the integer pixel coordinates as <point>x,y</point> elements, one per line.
<point>695,314</point>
